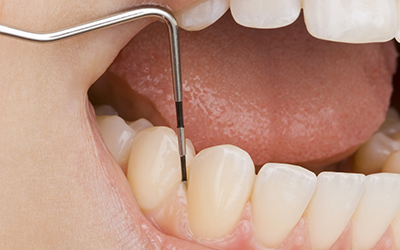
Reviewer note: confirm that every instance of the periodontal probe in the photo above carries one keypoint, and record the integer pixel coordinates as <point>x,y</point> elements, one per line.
<point>126,16</point>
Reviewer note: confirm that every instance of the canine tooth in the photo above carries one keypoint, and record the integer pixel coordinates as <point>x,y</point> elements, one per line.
<point>265,14</point>
<point>201,14</point>
<point>332,205</point>
<point>140,125</point>
<point>104,110</point>
<point>392,163</point>
<point>378,207</point>
<point>154,166</point>
<point>353,21</point>
<point>219,186</point>
<point>280,196</point>
<point>117,135</point>
<point>372,155</point>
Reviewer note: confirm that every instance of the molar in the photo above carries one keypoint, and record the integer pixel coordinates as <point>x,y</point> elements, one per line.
<point>352,21</point>
<point>392,163</point>
<point>391,125</point>
<point>335,199</point>
<point>378,207</point>
<point>201,14</point>
<point>265,14</point>
<point>371,156</point>
<point>280,196</point>
<point>219,186</point>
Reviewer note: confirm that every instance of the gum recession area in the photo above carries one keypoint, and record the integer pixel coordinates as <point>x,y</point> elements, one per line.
<point>257,89</point>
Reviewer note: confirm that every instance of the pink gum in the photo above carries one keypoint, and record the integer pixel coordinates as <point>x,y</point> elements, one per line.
<point>171,218</point>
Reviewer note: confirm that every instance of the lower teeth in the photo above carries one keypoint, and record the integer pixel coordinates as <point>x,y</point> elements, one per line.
<point>216,203</point>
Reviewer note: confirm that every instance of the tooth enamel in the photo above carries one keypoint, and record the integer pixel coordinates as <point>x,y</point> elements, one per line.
<point>117,135</point>
<point>280,196</point>
<point>398,22</point>
<point>396,136</point>
<point>265,14</point>
<point>372,155</point>
<point>378,207</point>
<point>396,230</point>
<point>154,166</point>
<point>391,130</point>
<point>219,186</point>
<point>104,110</point>
<point>332,205</point>
<point>391,125</point>
<point>201,14</point>
<point>392,163</point>
<point>140,125</point>
<point>392,116</point>
<point>353,21</point>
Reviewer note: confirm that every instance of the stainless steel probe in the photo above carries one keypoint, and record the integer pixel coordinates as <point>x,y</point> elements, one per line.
<point>134,14</point>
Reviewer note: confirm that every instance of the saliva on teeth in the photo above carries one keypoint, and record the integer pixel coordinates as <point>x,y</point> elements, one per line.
<point>222,189</point>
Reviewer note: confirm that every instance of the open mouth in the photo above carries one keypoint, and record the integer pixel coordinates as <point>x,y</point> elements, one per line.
<point>268,108</point>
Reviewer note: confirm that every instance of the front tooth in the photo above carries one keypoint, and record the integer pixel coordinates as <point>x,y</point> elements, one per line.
<point>280,195</point>
<point>219,186</point>
<point>201,14</point>
<point>117,135</point>
<point>371,156</point>
<point>265,14</point>
<point>353,21</point>
<point>332,205</point>
<point>154,166</point>
<point>378,207</point>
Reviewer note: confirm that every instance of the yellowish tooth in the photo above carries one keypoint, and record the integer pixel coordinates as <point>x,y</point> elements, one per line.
<point>392,163</point>
<point>378,207</point>
<point>140,125</point>
<point>391,125</point>
<point>396,136</point>
<point>219,186</point>
<point>372,155</point>
<point>396,230</point>
<point>117,135</point>
<point>332,205</point>
<point>154,166</point>
<point>280,196</point>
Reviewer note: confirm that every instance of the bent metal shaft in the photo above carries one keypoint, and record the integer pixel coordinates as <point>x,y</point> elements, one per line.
<point>120,18</point>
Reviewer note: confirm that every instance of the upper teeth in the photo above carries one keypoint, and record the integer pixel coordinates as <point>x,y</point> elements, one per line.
<point>351,21</point>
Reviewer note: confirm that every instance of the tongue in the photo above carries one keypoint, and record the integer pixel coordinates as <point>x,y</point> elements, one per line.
<point>281,95</point>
